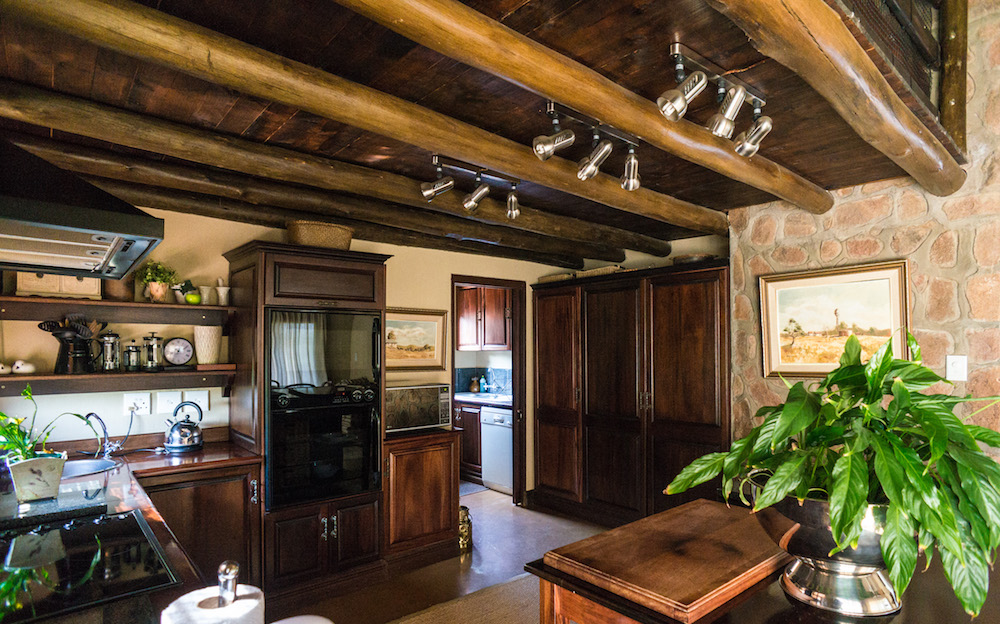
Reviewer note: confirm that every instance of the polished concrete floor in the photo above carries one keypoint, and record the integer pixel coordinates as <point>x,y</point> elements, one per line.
<point>504,538</point>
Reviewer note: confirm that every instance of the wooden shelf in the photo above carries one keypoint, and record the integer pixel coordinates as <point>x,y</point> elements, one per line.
<point>12,385</point>
<point>53,308</point>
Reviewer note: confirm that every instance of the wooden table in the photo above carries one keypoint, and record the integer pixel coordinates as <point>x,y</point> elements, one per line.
<point>576,597</point>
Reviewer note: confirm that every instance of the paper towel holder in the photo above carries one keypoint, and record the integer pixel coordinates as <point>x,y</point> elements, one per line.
<point>228,573</point>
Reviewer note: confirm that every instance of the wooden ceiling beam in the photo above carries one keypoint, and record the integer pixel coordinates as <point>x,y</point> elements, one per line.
<point>464,34</point>
<point>148,34</point>
<point>322,204</point>
<point>809,38</point>
<point>98,121</point>
<point>273,216</point>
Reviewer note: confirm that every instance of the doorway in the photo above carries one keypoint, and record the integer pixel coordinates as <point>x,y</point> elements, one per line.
<point>488,381</point>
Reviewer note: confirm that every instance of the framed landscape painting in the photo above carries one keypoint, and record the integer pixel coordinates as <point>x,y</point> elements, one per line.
<point>806,317</point>
<point>415,339</point>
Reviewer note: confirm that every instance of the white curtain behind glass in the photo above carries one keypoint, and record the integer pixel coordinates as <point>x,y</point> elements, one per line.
<point>297,348</point>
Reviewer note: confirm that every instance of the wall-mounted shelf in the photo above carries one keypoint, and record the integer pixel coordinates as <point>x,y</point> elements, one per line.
<point>53,308</point>
<point>13,385</point>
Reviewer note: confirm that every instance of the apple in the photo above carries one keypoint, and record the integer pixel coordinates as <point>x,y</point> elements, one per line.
<point>194,297</point>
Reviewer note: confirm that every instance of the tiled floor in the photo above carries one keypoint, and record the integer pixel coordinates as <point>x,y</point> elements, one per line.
<point>505,537</point>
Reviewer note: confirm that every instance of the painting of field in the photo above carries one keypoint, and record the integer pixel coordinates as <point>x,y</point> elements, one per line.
<point>825,349</point>
<point>411,340</point>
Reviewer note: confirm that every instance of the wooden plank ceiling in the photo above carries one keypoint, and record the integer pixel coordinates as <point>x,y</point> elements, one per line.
<point>625,41</point>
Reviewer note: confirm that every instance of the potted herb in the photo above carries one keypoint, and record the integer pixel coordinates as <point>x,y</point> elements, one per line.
<point>157,278</point>
<point>35,470</point>
<point>879,466</point>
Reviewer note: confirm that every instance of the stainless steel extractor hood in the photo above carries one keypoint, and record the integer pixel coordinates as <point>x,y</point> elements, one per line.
<point>51,221</point>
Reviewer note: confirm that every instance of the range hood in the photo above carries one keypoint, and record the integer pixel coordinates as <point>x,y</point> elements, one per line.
<point>51,221</point>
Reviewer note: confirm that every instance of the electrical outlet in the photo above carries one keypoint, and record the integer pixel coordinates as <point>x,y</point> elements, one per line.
<point>957,368</point>
<point>167,402</point>
<point>139,399</point>
<point>196,396</point>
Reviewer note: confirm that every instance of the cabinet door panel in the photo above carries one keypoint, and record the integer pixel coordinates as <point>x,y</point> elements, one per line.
<point>354,533</point>
<point>322,282</point>
<point>557,460</point>
<point>495,303</point>
<point>611,354</point>
<point>472,461</point>
<point>213,517</point>
<point>295,548</point>
<point>557,357</point>
<point>467,322</point>
<point>422,491</point>
<point>614,470</point>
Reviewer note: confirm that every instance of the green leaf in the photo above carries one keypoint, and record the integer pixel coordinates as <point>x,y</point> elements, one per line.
<point>825,436</point>
<point>785,479</point>
<point>984,435</point>
<point>914,348</point>
<point>914,376</point>
<point>852,352</point>
<point>970,581</point>
<point>846,378</point>
<point>850,492</point>
<point>800,410</point>
<point>926,543</point>
<point>876,368</point>
<point>735,461</point>
<point>958,432</point>
<point>762,446</point>
<point>899,547</point>
<point>697,472</point>
<point>889,471</point>
<point>970,521</point>
<point>937,434</point>
<point>986,499</point>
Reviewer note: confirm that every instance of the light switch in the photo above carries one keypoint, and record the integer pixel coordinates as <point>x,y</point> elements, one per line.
<point>957,368</point>
<point>196,396</point>
<point>166,402</point>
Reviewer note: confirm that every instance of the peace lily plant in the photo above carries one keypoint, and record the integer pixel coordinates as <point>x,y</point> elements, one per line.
<point>866,435</point>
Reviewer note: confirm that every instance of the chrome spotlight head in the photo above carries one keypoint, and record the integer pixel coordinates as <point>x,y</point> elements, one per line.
<point>546,145</point>
<point>513,207</point>
<point>630,179</point>
<point>590,165</point>
<point>674,103</point>
<point>723,122</point>
<point>430,190</point>
<point>748,141</point>
<point>471,201</point>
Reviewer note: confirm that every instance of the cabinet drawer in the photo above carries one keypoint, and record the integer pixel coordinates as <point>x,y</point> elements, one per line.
<point>323,283</point>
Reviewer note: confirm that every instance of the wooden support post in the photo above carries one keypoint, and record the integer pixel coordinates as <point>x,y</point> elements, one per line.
<point>954,77</point>
<point>154,36</point>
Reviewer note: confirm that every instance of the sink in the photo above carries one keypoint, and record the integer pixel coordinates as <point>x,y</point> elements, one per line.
<point>80,467</point>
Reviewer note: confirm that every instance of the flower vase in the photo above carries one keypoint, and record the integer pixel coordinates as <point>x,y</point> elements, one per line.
<point>159,292</point>
<point>36,478</point>
<point>207,340</point>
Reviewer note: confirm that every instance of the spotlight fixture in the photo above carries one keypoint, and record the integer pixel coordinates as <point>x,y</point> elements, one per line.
<point>513,207</point>
<point>630,179</point>
<point>471,201</point>
<point>591,164</point>
<point>546,145</point>
<point>430,190</point>
<point>748,141</point>
<point>723,123</point>
<point>674,102</point>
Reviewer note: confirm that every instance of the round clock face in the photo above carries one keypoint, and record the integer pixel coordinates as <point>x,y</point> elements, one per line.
<point>178,351</point>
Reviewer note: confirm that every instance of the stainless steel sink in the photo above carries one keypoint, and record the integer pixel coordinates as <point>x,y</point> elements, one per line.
<point>80,467</point>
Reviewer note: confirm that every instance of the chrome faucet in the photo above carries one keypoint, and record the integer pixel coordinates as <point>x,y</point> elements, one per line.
<point>107,447</point>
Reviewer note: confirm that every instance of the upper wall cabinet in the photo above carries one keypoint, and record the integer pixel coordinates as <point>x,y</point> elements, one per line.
<point>482,318</point>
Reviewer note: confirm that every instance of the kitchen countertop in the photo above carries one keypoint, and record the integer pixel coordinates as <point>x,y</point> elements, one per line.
<point>485,398</point>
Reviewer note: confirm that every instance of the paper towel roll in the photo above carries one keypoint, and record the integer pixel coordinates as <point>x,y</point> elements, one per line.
<point>202,607</point>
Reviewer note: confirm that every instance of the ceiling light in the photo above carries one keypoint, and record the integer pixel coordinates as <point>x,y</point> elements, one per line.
<point>674,103</point>
<point>430,190</point>
<point>723,123</point>
<point>471,201</point>
<point>630,179</point>
<point>546,145</point>
<point>748,141</point>
<point>590,165</point>
<point>513,207</point>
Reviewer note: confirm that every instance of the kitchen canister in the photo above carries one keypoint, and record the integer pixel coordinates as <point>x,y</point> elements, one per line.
<point>202,607</point>
<point>207,340</point>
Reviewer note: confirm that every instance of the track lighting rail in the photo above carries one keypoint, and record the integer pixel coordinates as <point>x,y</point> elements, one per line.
<point>444,161</point>
<point>693,61</point>
<point>556,109</point>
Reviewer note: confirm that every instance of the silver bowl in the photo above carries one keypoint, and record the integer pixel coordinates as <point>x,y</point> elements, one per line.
<point>853,581</point>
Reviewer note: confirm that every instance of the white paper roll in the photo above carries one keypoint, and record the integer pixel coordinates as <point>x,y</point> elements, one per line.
<point>202,607</point>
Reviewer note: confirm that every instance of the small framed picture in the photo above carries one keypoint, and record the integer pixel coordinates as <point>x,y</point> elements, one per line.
<point>806,317</point>
<point>415,339</point>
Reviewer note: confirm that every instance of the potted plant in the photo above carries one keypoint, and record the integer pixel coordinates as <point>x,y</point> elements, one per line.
<point>157,278</point>
<point>880,471</point>
<point>35,470</point>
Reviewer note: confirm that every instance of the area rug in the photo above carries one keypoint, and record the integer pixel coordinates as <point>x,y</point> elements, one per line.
<point>468,487</point>
<point>513,602</point>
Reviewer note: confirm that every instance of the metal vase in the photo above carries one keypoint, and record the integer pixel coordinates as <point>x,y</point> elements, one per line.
<point>852,582</point>
<point>464,529</point>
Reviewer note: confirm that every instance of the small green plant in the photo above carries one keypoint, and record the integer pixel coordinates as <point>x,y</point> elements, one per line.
<point>154,271</point>
<point>866,435</point>
<point>22,443</point>
<point>186,287</point>
<point>17,584</point>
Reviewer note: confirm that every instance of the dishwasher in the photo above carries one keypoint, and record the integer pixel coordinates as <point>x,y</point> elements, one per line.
<point>497,437</point>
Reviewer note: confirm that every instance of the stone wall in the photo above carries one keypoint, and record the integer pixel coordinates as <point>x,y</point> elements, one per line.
<point>952,244</point>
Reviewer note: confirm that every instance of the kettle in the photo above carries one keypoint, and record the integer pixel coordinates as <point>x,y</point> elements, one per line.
<point>183,435</point>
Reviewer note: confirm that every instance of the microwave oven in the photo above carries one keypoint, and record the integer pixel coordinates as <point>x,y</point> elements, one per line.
<point>417,407</point>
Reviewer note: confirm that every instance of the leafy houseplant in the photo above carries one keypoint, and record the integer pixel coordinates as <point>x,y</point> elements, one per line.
<point>158,277</point>
<point>866,435</point>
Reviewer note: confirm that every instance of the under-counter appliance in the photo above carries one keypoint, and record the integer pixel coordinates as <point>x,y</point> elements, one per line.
<point>417,407</point>
<point>322,422</point>
<point>497,438</point>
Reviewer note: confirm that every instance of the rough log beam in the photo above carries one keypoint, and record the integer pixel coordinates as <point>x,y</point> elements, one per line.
<point>106,164</point>
<point>154,36</point>
<point>98,121</point>
<point>457,31</point>
<point>808,37</point>
<point>271,216</point>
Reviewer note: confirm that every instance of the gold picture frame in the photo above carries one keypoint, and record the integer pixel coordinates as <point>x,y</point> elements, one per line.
<point>807,316</point>
<point>415,339</point>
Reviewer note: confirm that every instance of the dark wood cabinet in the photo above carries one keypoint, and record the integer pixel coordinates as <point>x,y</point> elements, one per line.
<point>215,516</point>
<point>483,318</point>
<point>467,419</point>
<point>421,485</point>
<point>648,354</point>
